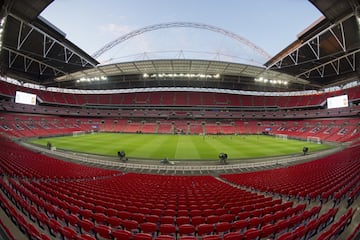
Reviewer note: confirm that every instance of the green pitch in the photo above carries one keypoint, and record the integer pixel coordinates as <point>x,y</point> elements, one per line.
<point>155,146</point>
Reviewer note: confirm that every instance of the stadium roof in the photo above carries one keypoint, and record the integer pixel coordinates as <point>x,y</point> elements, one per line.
<point>325,54</point>
<point>32,49</point>
<point>185,73</point>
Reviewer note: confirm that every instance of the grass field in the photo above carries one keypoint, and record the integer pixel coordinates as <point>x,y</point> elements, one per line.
<point>154,146</point>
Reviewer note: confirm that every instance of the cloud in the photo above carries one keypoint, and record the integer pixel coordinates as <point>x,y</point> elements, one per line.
<point>115,29</point>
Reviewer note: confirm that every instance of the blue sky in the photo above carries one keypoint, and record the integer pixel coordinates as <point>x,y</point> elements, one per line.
<point>270,24</point>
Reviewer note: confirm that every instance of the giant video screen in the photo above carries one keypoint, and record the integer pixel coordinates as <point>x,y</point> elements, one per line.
<point>25,98</point>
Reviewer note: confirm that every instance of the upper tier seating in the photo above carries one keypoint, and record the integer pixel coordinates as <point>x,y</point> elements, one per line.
<point>180,98</point>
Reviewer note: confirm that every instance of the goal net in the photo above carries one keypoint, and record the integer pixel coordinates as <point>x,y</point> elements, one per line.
<point>78,133</point>
<point>313,139</point>
<point>281,136</point>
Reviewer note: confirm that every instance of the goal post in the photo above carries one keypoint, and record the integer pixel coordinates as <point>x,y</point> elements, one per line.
<point>313,139</point>
<point>78,133</point>
<point>281,136</point>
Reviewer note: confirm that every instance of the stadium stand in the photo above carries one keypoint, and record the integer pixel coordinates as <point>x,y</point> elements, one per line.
<point>48,197</point>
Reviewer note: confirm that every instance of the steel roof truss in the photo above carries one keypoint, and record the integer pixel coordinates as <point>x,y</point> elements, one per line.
<point>341,41</point>
<point>315,50</point>
<point>13,55</point>
<point>316,41</point>
<point>42,68</point>
<point>27,63</point>
<point>46,49</point>
<point>47,40</point>
<point>351,61</point>
<point>12,60</point>
<point>335,63</point>
<point>22,32</point>
<point>336,66</point>
<point>294,56</point>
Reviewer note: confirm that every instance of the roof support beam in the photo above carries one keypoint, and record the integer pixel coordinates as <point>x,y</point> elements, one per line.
<point>314,45</point>
<point>25,31</point>
<point>335,65</point>
<point>13,55</point>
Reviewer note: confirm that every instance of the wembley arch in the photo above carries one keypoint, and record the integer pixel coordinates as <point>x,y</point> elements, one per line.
<point>155,27</point>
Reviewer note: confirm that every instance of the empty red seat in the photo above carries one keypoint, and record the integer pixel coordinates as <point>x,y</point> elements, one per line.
<point>182,220</point>
<point>86,226</point>
<point>204,229</point>
<point>233,236</point>
<point>268,231</point>
<point>187,238</point>
<point>142,236</point>
<point>121,234</point>
<point>212,219</point>
<point>239,225</point>
<point>103,231</point>
<point>186,229</point>
<point>252,233</point>
<point>148,227</point>
<point>114,221</point>
<point>167,229</point>
<point>211,237</point>
<point>131,225</point>
<point>197,220</point>
<point>86,237</point>
<point>68,233</point>
<point>166,237</point>
<point>286,236</point>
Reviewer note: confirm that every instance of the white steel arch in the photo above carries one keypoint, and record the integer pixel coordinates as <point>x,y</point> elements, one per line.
<point>154,27</point>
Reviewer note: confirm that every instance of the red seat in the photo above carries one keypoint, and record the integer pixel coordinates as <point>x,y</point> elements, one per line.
<point>294,221</point>
<point>255,222</point>
<point>114,221</point>
<point>243,215</point>
<point>139,217</point>
<point>86,226</point>
<point>148,227</point>
<point>282,225</point>
<point>54,227</point>
<point>103,231</point>
<point>182,220</point>
<point>68,233</point>
<point>195,212</point>
<point>300,232</point>
<point>205,229</point>
<point>222,227</point>
<point>268,230</point>
<point>286,236</point>
<point>233,236</point>
<point>211,237</point>
<point>152,218</point>
<point>142,236</point>
<point>131,225</point>
<point>187,238</point>
<point>72,220</point>
<point>252,233</point>
<point>167,220</point>
<point>186,229</point>
<point>85,237</point>
<point>197,220</point>
<point>100,218</point>
<point>46,237</point>
<point>239,225</point>
<point>120,234</point>
<point>227,217</point>
<point>212,219</point>
<point>165,237</point>
<point>167,229</point>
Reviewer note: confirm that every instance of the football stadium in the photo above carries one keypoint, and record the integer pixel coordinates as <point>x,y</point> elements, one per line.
<point>179,148</point>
